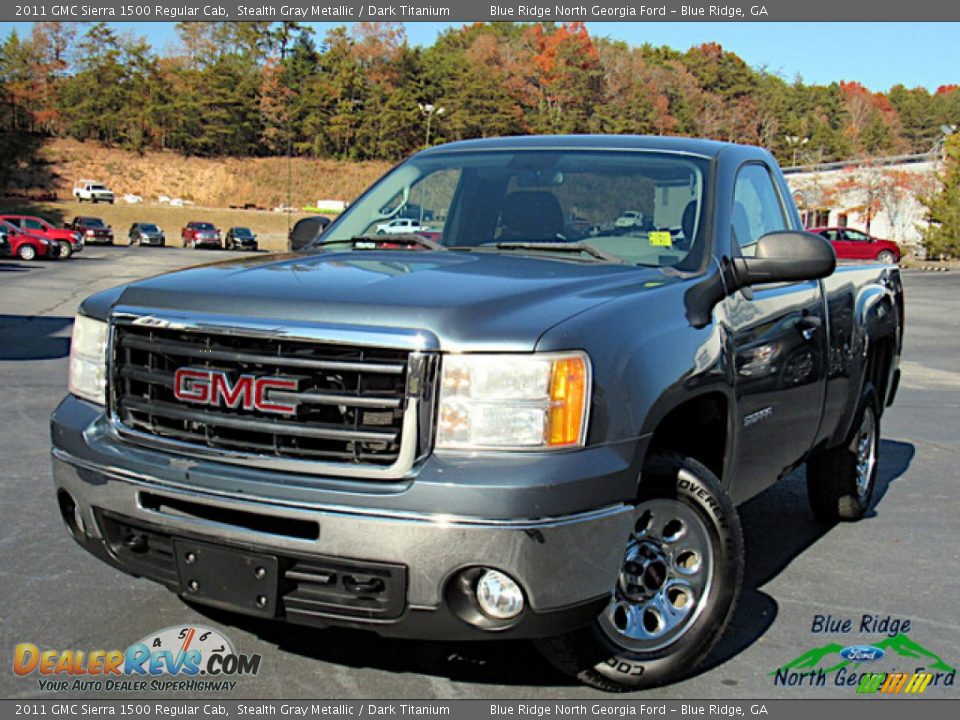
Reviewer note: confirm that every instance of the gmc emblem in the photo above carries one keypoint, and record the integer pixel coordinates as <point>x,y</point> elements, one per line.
<point>214,387</point>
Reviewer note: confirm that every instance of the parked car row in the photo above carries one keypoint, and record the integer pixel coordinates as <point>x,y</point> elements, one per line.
<point>203,234</point>
<point>29,237</point>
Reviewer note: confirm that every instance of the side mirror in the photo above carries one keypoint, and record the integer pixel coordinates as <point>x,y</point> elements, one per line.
<point>785,256</point>
<point>306,231</point>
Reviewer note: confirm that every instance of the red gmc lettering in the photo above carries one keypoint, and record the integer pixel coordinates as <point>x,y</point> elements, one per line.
<point>235,396</point>
<point>192,385</point>
<point>264,384</point>
<point>214,387</point>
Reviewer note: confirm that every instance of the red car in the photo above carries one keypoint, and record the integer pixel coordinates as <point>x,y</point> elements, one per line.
<point>69,241</point>
<point>26,246</point>
<point>855,245</point>
<point>197,234</point>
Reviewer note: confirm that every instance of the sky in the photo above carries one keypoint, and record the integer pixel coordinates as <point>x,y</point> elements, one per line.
<point>879,55</point>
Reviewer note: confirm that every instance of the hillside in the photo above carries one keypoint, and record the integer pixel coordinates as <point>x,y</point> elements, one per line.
<point>220,182</point>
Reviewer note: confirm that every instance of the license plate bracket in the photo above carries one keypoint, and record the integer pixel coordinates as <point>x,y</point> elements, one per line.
<point>226,577</point>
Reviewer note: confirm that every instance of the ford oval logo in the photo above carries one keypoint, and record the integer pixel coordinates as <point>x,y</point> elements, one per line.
<point>862,653</point>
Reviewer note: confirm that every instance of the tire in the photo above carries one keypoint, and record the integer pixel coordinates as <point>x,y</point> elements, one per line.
<point>27,252</point>
<point>644,638</point>
<point>841,480</point>
<point>886,257</point>
<point>66,249</point>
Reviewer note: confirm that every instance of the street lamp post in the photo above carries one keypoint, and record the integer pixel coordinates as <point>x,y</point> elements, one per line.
<point>796,142</point>
<point>429,110</point>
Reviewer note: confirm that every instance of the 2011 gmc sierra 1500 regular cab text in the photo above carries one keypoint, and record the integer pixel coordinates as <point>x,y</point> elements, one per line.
<point>514,429</point>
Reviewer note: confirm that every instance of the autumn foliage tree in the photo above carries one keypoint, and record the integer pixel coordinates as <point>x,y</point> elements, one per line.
<point>263,88</point>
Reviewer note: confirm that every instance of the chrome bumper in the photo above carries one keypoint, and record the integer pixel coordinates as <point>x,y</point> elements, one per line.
<point>559,561</point>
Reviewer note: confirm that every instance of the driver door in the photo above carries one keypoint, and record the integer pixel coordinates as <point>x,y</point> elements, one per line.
<point>778,343</point>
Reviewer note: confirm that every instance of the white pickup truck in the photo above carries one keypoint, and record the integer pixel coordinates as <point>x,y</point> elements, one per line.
<point>93,191</point>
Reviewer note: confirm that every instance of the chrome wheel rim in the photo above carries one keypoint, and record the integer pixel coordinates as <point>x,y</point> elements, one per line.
<point>665,578</point>
<point>865,446</point>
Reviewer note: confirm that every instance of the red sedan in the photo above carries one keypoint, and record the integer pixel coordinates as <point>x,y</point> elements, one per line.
<point>26,246</point>
<point>855,245</point>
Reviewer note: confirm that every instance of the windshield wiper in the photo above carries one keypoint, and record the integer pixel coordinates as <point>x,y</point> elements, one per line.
<point>582,248</point>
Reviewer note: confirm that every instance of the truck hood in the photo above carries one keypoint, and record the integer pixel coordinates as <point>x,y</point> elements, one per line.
<point>461,300</point>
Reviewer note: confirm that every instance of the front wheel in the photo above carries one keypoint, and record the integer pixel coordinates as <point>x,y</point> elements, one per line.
<point>886,257</point>
<point>675,593</point>
<point>27,252</point>
<point>66,249</point>
<point>840,480</point>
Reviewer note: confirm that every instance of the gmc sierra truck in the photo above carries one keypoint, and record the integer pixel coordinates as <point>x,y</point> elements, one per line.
<point>500,432</point>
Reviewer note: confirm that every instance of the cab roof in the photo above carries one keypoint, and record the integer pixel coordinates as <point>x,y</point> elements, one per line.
<point>689,146</point>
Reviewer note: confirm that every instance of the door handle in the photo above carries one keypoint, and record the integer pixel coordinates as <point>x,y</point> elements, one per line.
<point>808,326</point>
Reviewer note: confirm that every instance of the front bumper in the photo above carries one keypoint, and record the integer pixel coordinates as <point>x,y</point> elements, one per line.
<point>567,565</point>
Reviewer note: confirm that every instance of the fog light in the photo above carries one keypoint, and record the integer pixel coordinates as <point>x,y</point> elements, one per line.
<point>498,595</point>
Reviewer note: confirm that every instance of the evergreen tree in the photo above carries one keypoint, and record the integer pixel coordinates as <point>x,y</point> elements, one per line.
<point>942,235</point>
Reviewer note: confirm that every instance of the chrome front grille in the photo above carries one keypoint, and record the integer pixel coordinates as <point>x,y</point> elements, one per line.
<point>355,406</point>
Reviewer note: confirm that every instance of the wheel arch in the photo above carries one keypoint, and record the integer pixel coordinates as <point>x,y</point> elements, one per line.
<point>698,427</point>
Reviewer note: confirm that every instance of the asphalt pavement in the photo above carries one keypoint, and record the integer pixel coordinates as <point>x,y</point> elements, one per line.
<point>899,564</point>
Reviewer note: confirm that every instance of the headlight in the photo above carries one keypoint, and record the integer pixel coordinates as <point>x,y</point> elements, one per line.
<point>513,402</point>
<point>44,241</point>
<point>88,359</point>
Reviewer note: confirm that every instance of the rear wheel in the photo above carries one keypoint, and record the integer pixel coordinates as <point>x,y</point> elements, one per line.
<point>886,257</point>
<point>27,252</point>
<point>66,249</point>
<point>680,578</point>
<point>840,480</point>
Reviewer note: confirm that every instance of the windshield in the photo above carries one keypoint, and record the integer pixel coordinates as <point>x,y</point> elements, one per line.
<point>507,201</point>
<point>98,187</point>
<point>202,226</point>
<point>92,222</point>
<point>242,232</point>
<point>147,227</point>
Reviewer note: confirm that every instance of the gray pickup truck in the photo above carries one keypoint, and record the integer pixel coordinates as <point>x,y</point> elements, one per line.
<point>528,422</point>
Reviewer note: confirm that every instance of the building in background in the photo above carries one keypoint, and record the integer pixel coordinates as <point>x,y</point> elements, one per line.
<point>880,196</point>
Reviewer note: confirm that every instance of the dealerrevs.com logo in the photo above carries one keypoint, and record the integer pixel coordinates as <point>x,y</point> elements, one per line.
<point>893,664</point>
<point>183,658</point>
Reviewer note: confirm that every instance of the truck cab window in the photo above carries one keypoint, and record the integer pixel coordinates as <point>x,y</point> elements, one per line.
<point>757,209</point>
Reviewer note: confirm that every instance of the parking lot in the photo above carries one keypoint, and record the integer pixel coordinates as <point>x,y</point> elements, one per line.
<point>898,564</point>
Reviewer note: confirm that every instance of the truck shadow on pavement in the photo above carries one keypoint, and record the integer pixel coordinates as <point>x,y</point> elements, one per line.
<point>32,337</point>
<point>778,527</point>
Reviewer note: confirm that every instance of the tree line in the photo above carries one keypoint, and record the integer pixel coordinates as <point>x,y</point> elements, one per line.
<point>363,92</point>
